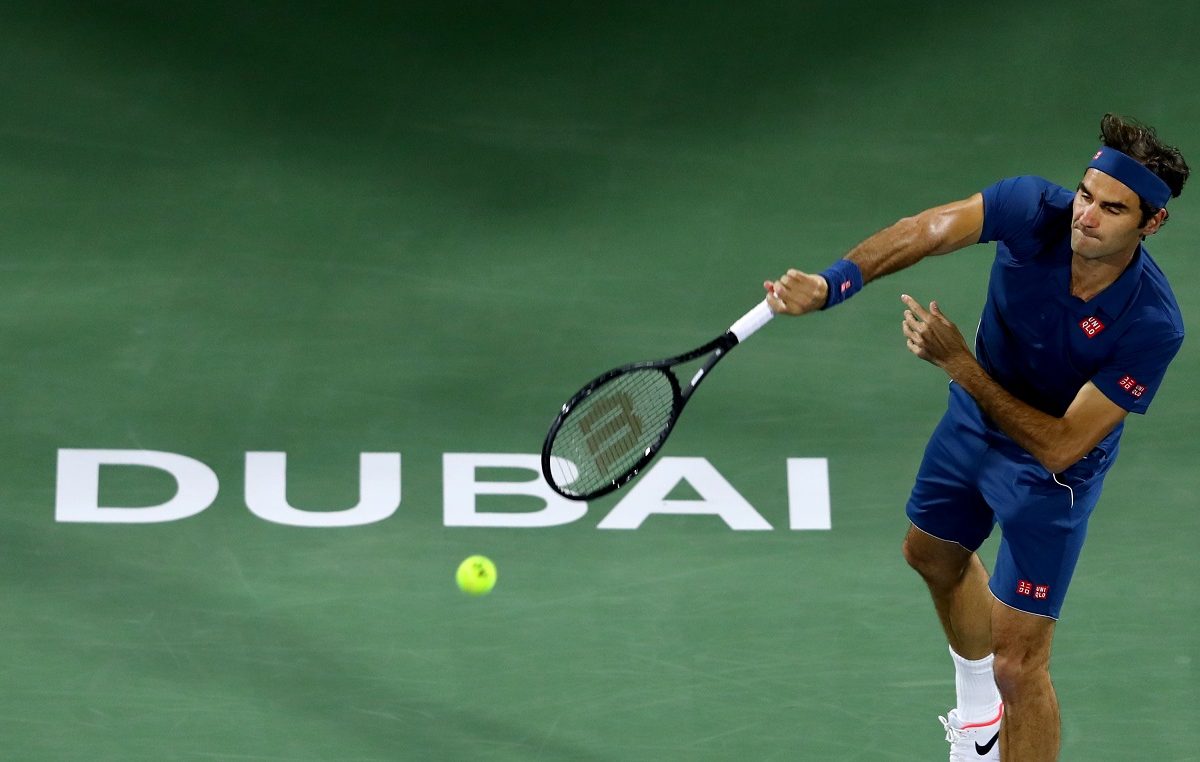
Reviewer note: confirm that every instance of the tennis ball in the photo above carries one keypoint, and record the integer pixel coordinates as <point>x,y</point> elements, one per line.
<point>476,575</point>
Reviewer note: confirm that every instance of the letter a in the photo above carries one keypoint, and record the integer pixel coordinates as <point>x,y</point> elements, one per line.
<point>718,497</point>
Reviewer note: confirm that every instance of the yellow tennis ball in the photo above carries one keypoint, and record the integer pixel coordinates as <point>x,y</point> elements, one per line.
<point>476,575</point>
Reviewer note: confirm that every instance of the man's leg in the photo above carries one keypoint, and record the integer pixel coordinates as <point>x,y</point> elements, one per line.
<point>958,584</point>
<point>1021,641</point>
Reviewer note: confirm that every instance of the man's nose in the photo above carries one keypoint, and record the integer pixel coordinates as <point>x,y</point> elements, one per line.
<point>1088,216</point>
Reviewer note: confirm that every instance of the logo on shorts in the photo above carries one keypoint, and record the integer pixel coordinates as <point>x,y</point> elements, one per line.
<point>1091,326</point>
<point>1027,588</point>
<point>1130,384</point>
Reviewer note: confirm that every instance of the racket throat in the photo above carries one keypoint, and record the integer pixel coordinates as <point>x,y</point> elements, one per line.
<point>702,372</point>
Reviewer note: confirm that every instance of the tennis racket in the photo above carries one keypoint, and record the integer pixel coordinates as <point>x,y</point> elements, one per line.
<point>617,423</point>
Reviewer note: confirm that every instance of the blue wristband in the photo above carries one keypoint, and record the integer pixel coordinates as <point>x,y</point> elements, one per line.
<point>844,279</point>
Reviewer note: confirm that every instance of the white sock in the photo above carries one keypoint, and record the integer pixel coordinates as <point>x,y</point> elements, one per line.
<point>975,687</point>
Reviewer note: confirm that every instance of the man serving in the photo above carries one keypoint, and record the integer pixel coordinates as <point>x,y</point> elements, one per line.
<point>1076,333</point>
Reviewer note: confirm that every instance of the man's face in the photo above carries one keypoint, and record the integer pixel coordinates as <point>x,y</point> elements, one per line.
<point>1105,217</point>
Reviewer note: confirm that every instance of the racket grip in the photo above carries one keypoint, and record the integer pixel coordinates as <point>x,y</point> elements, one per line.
<point>753,320</point>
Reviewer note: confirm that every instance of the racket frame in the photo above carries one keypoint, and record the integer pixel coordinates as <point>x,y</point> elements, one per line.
<point>718,347</point>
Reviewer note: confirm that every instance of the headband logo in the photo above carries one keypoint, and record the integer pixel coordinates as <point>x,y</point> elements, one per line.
<point>1097,156</point>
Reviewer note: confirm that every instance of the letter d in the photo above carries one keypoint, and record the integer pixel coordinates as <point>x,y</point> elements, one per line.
<point>77,497</point>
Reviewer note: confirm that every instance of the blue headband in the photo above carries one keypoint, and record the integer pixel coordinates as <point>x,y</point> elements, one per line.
<point>1133,174</point>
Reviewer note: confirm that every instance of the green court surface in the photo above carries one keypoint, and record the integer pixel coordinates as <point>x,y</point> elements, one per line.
<point>329,229</point>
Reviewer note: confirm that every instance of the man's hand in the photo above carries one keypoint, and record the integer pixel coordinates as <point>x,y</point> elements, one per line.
<point>796,293</point>
<point>933,338</point>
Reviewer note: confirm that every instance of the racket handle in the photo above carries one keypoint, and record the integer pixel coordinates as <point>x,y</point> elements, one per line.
<point>753,320</point>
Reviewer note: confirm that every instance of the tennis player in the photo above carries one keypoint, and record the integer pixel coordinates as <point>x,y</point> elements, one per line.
<point>1077,332</point>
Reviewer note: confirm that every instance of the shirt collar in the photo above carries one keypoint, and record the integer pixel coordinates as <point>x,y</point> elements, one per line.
<point>1113,300</point>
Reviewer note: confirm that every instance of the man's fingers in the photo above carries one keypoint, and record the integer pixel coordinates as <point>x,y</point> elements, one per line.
<point>910,321</point>
<point>915,306</point>
<point>775,296</point>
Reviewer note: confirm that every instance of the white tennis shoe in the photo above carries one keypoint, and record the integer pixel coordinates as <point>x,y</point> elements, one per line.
<point>973,741</point>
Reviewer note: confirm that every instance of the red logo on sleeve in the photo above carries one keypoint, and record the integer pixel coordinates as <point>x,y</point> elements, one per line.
<point>1091,326</point>
<point>1130,384</point>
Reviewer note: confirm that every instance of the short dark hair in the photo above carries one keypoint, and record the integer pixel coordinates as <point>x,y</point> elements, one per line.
<point>1141,142</point>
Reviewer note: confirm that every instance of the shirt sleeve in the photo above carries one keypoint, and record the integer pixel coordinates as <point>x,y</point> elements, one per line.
<point>1012,212</point>
<point>1135,373</point>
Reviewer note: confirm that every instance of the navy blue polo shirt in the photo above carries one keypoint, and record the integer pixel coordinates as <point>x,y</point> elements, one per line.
<point>1041,343</point>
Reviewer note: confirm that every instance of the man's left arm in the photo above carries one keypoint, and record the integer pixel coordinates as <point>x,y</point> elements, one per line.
<point>1057,443</point>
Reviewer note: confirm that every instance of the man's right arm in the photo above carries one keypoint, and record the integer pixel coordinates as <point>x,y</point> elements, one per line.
<point>939,230</point>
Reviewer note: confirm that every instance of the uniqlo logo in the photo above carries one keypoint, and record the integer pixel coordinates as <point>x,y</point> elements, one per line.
<point>1024,588</point>
<point>1091,326</point>
<point>846,286</point>
<point>1130,384</point>
<point>1041,592</point>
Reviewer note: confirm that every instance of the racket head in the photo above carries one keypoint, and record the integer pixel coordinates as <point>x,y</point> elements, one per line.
<point>610,429</point>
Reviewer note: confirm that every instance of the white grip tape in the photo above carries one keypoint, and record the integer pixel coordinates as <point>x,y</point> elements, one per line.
<point>753,320</point>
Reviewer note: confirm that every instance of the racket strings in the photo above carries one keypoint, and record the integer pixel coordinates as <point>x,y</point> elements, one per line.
<point>607,433</point>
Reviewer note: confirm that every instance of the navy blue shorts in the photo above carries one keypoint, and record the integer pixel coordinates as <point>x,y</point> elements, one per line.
<point>974,477</point>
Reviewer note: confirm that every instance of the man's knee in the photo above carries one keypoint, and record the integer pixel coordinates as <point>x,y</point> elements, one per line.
<point>1017,673</point>
<point>1022,658</point>
<point>913,553</point>
<point>938,561</point>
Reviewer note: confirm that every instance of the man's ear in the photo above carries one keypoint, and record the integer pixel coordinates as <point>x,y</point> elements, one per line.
<point>1154,223</point>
